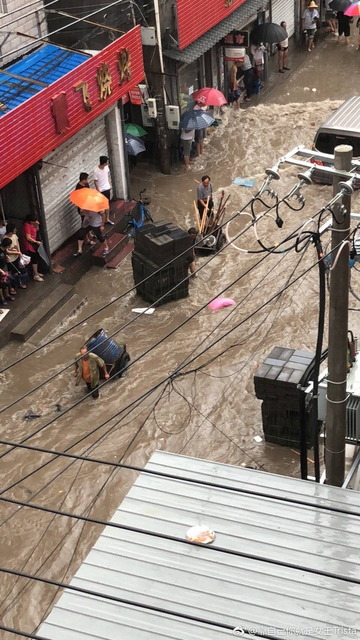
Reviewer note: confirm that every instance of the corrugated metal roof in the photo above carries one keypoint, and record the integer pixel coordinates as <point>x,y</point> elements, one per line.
<point>279,520</point>
<point>236,20</point>
<point>22,80</point>
<point>345,119</point>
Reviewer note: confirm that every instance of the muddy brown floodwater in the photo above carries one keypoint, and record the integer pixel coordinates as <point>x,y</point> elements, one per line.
<point>211,413</point>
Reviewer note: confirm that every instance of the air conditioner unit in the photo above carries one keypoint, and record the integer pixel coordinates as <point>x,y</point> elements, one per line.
<point>146,120</point>
<point>152,109</point>
<point>172,113</point>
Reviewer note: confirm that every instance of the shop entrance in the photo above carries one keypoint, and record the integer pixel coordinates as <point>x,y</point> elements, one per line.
<point>18,198</point>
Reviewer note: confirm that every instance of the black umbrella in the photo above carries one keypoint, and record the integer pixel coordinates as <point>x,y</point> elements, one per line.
<point>268,32</point>
<point>339,5</point>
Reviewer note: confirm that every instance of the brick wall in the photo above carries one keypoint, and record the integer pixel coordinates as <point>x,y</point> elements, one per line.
<point>33,25</point>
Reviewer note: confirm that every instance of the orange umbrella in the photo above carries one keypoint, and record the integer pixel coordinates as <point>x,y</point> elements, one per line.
<point>89,199</point>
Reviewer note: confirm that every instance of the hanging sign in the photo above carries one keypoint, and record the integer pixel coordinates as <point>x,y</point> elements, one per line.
<point>135,96</point>
<point>236,38</point>
<point>234,54</point>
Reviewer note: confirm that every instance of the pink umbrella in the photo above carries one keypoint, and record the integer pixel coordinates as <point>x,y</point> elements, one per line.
<point>209,96</point>
<point>353,10</point>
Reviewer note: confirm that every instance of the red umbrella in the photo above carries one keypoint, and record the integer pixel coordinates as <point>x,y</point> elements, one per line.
<point>353,10</point>
<point>209,96</point>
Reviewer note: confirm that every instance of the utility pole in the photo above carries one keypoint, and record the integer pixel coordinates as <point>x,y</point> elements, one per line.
<point>158,91</point>
<point>338,328</point>
<point>158,86</point>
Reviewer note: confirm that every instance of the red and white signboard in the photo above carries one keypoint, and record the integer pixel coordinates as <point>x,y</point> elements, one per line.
<point>135,96</point>
<point>50,117</point>
<point>196,18</point>
<point>234,54</point>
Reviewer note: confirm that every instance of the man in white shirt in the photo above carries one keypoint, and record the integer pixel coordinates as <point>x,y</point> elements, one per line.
<point>309,23</point>
<point>102,182</point>
<point>248,71</point>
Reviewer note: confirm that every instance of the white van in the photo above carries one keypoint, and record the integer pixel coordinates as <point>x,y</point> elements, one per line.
<point>342,127</point>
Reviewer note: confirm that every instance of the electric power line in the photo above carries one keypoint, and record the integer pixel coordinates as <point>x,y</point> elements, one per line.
<point>89,506</point>
<point>178,374</point>
<point>51,33</point>
<point>122,295</point>
<point>267,251</point>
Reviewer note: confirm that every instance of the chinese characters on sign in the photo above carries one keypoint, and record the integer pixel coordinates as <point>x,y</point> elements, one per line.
<point>236,38</point>
<point>124,65</point>
<point>228,3</point>
<point>104,79</point>
<point>84,88</point>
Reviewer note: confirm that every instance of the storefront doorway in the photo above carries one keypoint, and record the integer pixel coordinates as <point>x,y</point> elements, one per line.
<point>18,198</point>
<point>21,197</point>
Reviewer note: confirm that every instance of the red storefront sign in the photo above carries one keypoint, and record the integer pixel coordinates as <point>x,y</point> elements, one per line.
<point>135,96</point>
<point>45,121</point>
<point>196,18</point>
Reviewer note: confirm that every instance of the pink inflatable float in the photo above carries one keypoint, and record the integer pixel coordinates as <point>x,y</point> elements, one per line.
<point>219,303</point>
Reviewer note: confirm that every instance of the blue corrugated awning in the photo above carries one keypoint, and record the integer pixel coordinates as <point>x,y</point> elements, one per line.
<point>21,80</point>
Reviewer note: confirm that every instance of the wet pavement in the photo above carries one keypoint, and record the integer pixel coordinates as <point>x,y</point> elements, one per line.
<point>211,413</point>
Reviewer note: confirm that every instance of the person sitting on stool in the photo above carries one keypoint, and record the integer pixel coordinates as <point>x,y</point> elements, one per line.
<point>88,368</point>
<point>204,191</point>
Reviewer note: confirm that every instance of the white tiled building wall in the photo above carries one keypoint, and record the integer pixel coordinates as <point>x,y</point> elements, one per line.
<point>33,24</point>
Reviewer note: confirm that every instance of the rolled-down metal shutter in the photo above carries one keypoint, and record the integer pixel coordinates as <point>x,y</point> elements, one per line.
<point>284,10</point>
<point>59,175</point>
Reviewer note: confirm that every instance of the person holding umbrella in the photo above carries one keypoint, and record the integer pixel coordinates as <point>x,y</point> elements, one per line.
<point>344,26</point>
<point>352,11</point>
<point>93,221</point>
<point>187,138</point>
<point>94,206</point>
<point>200,133</point>
<point>190,122</point>
<point>207,96</point>
<point>309,24</point>
<point>257,51</point>
<point>330,17</point>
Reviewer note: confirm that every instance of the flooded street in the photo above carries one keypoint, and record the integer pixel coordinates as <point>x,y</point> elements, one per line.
<point>211,410</point>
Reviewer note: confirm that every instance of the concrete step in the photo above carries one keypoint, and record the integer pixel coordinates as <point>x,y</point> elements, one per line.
<point>58,318</point>
<point>42,312</point>
<point>119,257</point>
<point>116,242</point>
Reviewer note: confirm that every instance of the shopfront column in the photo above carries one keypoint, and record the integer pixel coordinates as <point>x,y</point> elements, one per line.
<point>118,159</point>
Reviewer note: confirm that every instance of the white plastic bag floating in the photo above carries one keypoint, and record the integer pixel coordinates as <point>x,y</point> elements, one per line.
<point>24,260</point>
<point>145,310</point>
<point>200,533</point>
